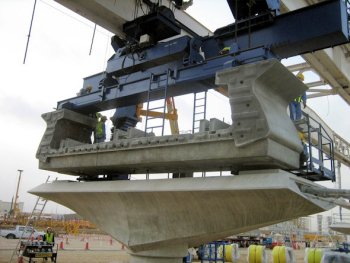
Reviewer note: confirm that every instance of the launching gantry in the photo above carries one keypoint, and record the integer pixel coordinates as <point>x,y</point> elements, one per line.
<point>159,219</point>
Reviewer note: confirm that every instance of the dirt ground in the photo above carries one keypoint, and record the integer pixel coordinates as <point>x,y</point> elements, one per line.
<point>100,250</point>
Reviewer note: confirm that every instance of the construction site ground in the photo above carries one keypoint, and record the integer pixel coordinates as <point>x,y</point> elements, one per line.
<point>100,250</point>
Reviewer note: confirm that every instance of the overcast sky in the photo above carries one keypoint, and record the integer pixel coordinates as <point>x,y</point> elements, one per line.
<point>58,58</point>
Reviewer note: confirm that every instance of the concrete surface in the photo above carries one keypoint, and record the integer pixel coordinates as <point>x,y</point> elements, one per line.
<point>112,14</point>
<point>158,219</point>
<point>343,228</point>
<point>261,136</point>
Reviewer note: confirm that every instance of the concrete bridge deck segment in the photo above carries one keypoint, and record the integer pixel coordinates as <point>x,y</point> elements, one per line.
<point>159,219</point>
<point>261,136</point>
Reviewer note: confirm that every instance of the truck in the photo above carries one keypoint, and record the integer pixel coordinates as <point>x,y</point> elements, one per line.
<point>21,232</point>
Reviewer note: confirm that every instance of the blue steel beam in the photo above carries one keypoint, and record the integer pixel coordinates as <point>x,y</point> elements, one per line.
<point>127,77</point>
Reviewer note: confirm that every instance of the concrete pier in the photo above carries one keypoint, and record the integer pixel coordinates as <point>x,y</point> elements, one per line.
<point>159,219</point>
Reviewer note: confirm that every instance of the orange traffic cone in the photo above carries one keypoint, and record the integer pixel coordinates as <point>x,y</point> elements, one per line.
<point>111,241</point>
<point>87,245</point>
<point>20,259</point>
<point>61,245</point>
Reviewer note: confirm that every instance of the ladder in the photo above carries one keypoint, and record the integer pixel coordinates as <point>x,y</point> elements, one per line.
<point>34,216</point>
<point>157,90</point>
<point>199,109</point>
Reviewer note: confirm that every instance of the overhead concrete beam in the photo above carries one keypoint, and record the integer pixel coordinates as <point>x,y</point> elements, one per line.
<point>343,228</point>
<point>112,14</point>
<point>341,146</point>
<point>159,219</point>
<point>332,64</point>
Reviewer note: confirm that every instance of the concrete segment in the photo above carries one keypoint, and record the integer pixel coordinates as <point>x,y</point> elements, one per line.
<point>64,124</point>
<point>158,219</point>
<point>206,152</point>
<point>343,228</point>
<point>261,136</point>
<point>259,95</point>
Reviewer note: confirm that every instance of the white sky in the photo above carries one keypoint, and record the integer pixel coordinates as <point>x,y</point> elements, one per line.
<point>57,61</point>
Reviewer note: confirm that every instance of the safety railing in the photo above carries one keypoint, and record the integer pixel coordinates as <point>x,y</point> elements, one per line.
<point>319,165</point>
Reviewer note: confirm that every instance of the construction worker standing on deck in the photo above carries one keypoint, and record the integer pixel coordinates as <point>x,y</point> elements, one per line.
<point>295,105</point>
<point>100,130</point>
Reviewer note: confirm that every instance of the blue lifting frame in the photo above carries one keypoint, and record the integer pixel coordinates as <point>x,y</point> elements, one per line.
<point>193,62</point>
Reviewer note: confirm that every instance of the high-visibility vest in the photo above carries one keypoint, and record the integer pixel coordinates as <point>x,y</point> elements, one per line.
<point>99,129</point>
<point>49,237</point>
<point>298,99</point>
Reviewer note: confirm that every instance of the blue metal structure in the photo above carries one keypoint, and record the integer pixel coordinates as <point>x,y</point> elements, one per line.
<point>210,252</point>
<point>188,64</point>
<point>193,61</point>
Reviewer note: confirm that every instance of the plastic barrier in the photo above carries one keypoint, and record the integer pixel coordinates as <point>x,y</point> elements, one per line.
<point>188,258</point>
<point>335,257</point>
<point>61,245</point>
<point>87,245</point>
<point>282,254</point>
<point>313,255</point>
<point>20,259</point>
<point>231,252</point>
<point>257,254</point>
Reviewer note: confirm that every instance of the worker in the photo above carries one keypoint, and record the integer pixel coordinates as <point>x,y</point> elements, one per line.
<point>225,51</point>
<point>100,129</point>
<point>49,236</point>
<point>304,156</point>
<point>295,105</point>
<point>85,90</point>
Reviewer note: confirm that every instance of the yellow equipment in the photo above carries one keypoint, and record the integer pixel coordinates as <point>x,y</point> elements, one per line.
<point>314,255</point>
<point>171,114</point>
<point>256,254</point>
<point>279,254</point>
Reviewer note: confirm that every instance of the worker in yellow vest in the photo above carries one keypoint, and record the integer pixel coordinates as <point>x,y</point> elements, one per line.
<point>100,129</point>
<point>49,236</point>
<point>295,105</point>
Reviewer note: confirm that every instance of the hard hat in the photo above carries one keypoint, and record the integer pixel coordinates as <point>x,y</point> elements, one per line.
<point>300,76</point>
